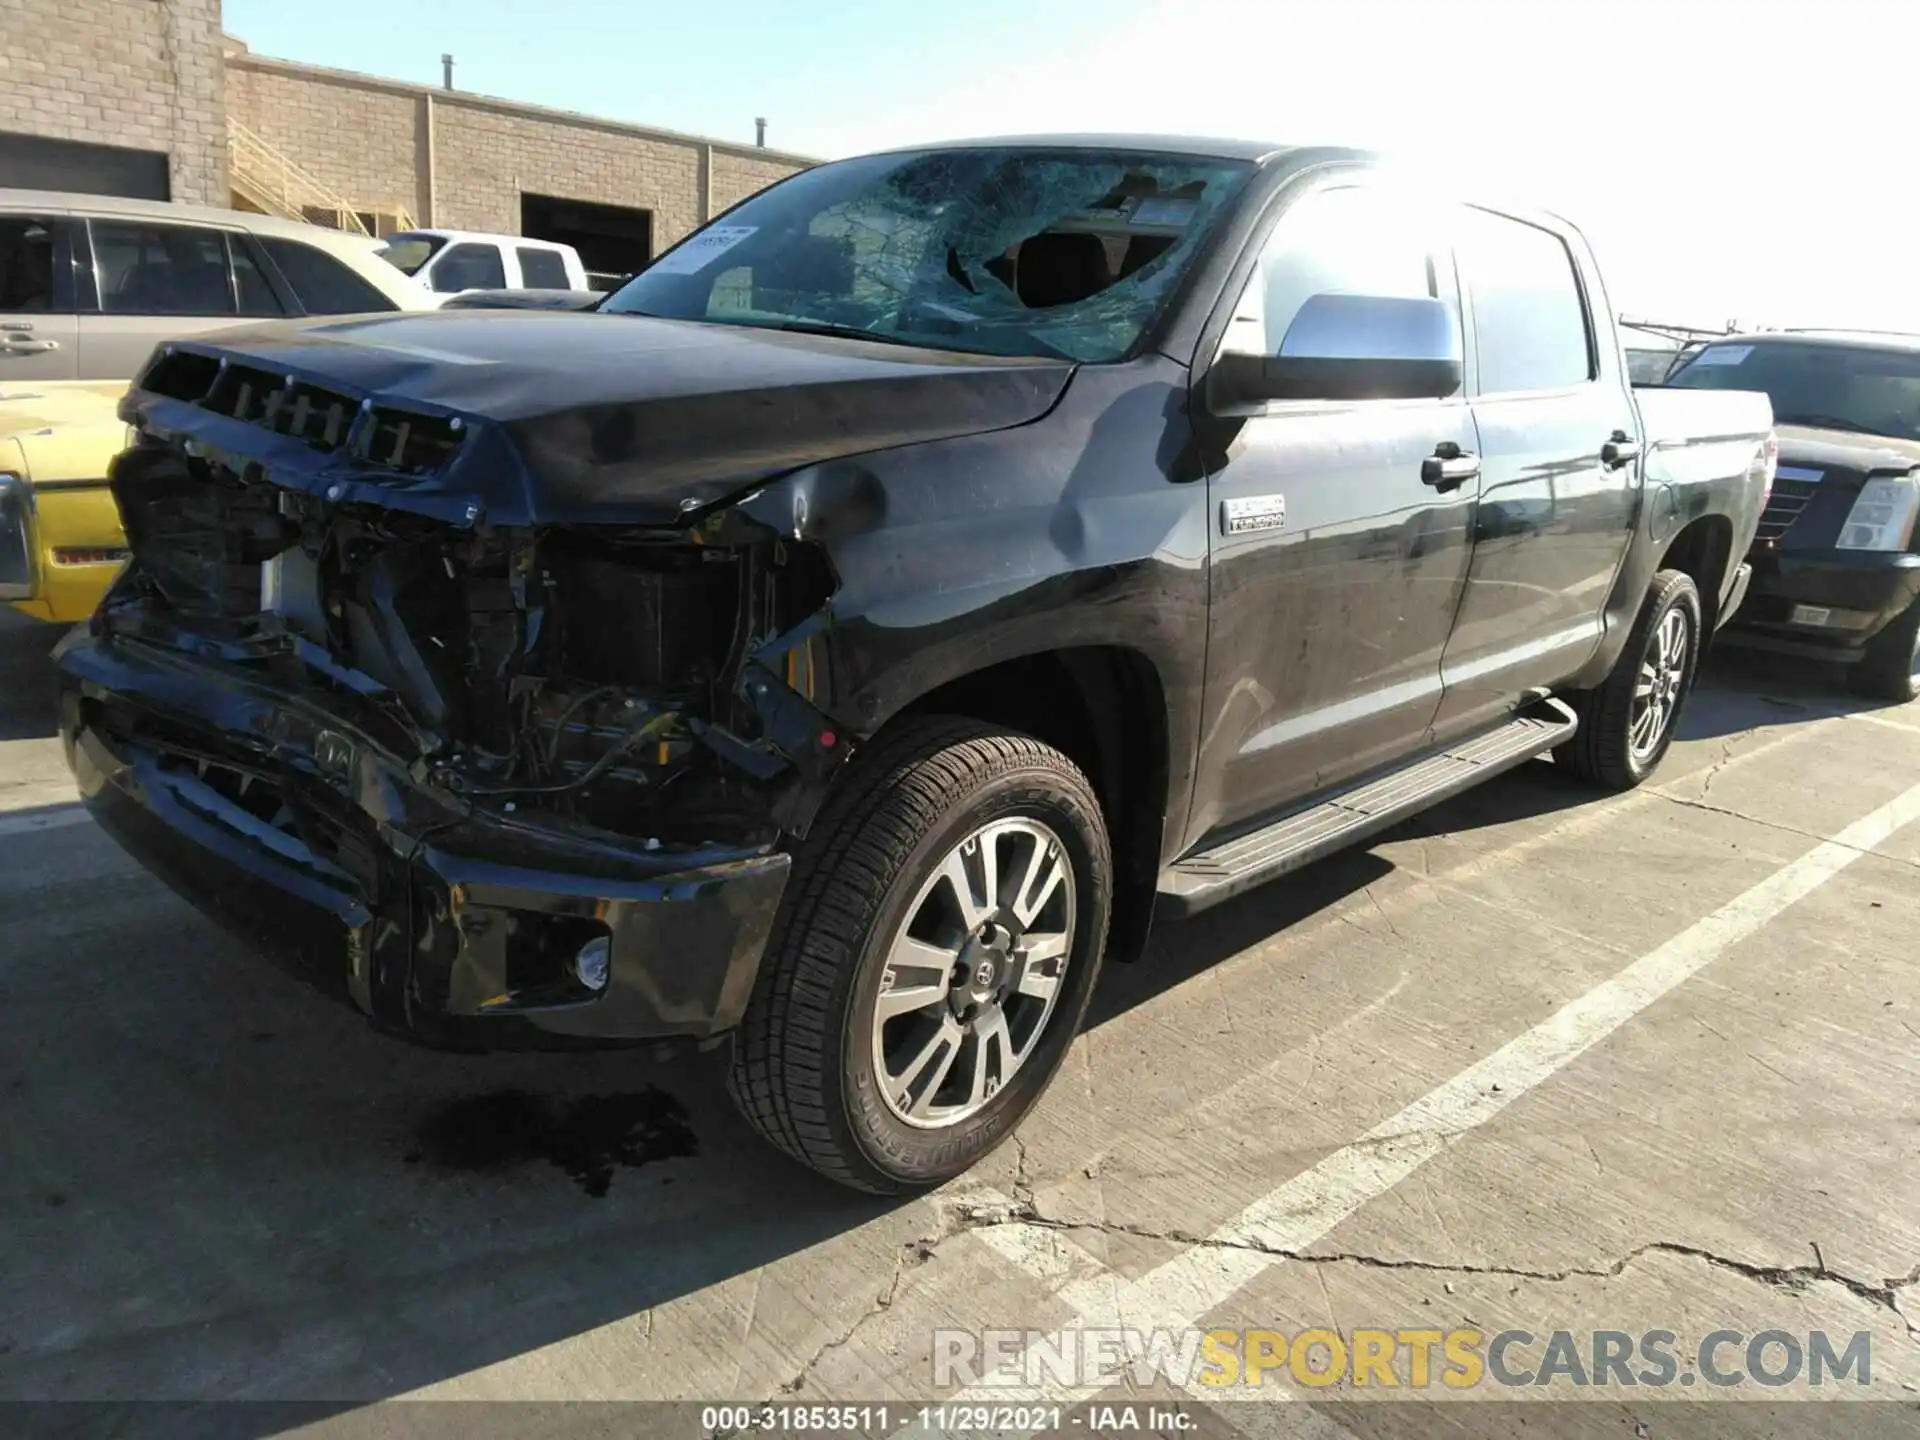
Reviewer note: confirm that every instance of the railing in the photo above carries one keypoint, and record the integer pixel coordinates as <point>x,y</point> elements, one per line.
<point>263,176</point>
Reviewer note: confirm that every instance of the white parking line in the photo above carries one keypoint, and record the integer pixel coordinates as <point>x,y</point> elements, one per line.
<point>1299,1213</point>
<point>1882,720</point>
<point>1049,1255</point>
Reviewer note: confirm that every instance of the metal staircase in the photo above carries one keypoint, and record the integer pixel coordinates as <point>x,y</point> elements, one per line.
<point>264,179</point>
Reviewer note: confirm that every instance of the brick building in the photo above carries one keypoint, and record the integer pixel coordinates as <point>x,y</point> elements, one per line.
<point>148,97</point>
<point>128,93</point>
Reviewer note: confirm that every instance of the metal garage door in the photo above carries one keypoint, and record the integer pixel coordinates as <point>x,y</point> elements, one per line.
<point>31,162</point>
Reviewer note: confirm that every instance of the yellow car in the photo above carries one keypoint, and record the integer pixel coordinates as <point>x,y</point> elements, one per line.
<point>61,544</point>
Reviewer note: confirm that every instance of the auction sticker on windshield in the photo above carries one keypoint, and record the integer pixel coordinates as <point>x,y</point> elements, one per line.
<point>702,250</point>
<point>1723,355</point>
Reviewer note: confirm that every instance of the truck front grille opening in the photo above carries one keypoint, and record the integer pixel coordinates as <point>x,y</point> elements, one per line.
<point>409,442</point>
<point>1789,498</point>
<point>318,416</point>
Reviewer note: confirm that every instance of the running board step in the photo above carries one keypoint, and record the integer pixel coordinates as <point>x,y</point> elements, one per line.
<point>1237,865</point>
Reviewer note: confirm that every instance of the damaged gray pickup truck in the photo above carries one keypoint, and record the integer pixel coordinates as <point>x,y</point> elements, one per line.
<point>848,633</point>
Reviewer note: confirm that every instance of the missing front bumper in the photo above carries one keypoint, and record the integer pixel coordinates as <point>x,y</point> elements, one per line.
<point>452,928</point>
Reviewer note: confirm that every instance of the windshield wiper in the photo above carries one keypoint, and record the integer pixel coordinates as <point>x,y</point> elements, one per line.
<point>1826,422</point>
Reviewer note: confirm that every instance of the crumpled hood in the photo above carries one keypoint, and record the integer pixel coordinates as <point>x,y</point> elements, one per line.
<point>579,418</point>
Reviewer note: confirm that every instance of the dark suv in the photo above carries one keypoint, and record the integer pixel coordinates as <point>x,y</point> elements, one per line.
<point>1836,573</point>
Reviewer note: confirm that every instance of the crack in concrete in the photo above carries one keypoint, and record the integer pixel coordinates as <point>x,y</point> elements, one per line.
<point>1886,1294</point>
<point>1022,1182</point>
<point>961,1216</point>
<point>1726,758</point>
<point>951,1218</point>
<point>1381,911</point>
<point>1778,825</point>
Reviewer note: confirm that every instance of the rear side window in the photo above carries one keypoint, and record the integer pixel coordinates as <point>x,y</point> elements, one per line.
<point>541,269</point>
<point>1530,323</point>
<point>469,267</point>
<point>148,269</point>
<point>30,279</point>
<point>322,284</point>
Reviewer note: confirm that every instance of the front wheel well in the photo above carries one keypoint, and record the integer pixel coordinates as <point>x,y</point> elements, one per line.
<point>1104,708</point>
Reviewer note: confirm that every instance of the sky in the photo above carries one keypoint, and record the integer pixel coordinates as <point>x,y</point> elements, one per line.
<point>1728,161</point>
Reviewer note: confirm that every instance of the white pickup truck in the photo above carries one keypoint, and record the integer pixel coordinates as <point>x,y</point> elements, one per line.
<point>457,262</point>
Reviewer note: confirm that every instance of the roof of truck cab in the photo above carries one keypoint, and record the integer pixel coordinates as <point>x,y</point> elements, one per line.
<point>1260,152</point>
<point>1839,339</point>
<point>1213,147</point>
<point>482,236</point>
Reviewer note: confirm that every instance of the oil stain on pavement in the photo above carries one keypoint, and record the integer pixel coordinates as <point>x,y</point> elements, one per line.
<point>586,1136</point>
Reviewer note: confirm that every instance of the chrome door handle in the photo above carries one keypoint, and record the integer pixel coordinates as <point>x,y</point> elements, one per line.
<point>1448,468</point>
<point>28,347</point>
<point>1619,449</point>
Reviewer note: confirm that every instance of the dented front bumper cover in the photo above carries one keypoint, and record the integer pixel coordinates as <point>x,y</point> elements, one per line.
<point>446,923</point>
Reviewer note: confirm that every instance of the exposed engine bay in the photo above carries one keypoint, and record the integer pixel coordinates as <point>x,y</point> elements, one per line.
<point>493,690</point>
<point>610,676</point>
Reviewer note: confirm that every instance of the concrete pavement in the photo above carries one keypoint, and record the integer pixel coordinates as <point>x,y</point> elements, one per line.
<point>1538,1061</point>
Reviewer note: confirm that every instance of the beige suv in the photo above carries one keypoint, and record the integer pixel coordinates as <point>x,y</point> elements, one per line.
<point>89,284</point>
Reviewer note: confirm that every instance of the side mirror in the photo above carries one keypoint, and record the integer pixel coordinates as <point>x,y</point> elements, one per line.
<point>1351,347</point>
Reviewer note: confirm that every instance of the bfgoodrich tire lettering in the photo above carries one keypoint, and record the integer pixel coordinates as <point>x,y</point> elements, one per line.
<point>1614,746</point>
<point>804,1060</point>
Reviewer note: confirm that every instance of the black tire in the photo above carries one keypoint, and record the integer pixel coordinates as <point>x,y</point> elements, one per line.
<point>1602,751</point>
<point>803,1071</point>
<point>1890,670</point>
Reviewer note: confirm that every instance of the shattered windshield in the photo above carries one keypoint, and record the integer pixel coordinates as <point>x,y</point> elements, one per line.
<point>1068,252</point>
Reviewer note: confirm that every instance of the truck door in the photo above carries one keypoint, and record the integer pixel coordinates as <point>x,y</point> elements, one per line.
<point>1559,474</point>
<point>1338,547</point>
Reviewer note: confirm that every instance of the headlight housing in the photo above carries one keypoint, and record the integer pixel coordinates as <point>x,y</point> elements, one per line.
<point>1882,515</point>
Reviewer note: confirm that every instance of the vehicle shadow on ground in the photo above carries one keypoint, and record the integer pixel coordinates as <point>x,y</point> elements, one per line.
<point>220,1186</point>
<point>228,1188</point>
<point>267,1201</point>
<point>1182,950</point>
<point>29,701</point>
<point>1743,690</point>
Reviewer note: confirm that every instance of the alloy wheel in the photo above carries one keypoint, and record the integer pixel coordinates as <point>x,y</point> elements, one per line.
<point>973,974</point>
<point>1656,693</point>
